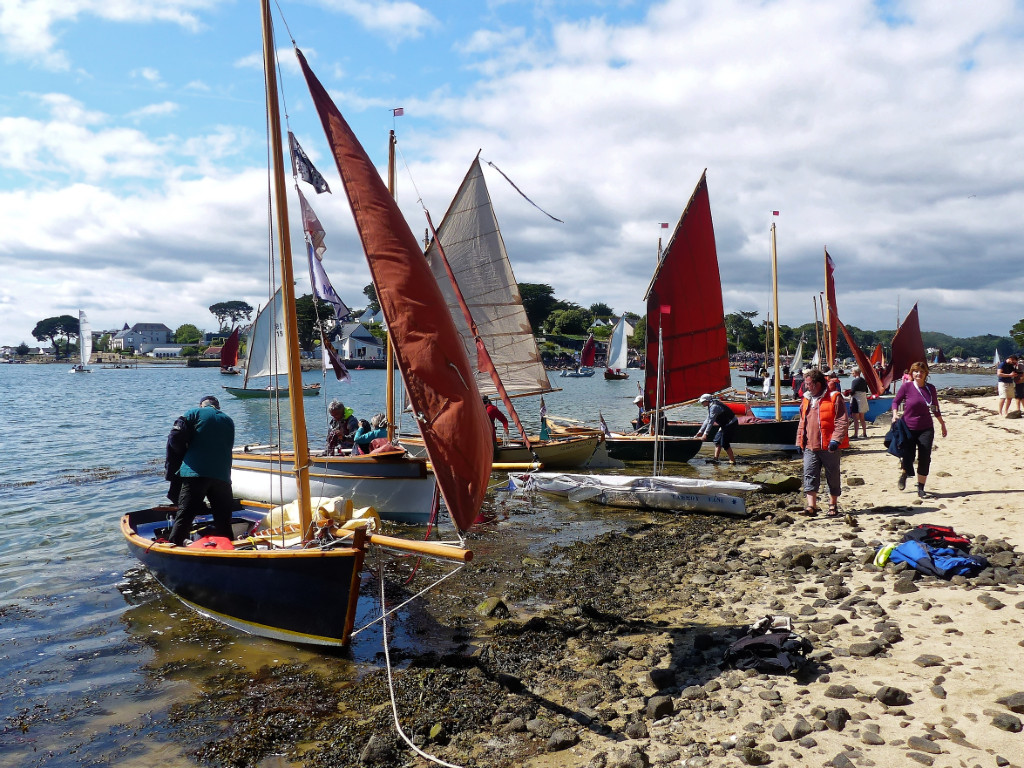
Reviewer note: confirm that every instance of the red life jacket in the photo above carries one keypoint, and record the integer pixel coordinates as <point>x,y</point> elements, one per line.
<point>827,406</point>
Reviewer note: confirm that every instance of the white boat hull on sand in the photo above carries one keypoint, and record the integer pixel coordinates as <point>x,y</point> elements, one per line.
<point>399,488</point>
<point>644,492</point>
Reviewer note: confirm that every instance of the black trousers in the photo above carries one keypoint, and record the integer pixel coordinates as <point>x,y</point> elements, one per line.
<point>191,502</point>
<point>920,442</point>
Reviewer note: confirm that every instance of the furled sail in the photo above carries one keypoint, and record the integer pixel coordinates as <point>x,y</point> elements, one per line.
<point>438,378</point>
<point>268,351</point>
<point>84,338</point>
<point>229,352</point>
<point>476,253</point>
<point>831,310</point>
<point>684,303</point>
<point>618,350</point>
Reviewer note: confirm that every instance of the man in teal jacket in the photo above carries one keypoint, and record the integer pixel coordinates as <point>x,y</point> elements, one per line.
<point>206,437</point>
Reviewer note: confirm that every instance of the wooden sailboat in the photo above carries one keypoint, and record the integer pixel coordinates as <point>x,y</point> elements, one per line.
<point>84,345</point>
<point>267,353</point>
<point>229,354</point>
<point>306,591</point>
<point>587,355</point>
<point>618,353</point>
<point>469,243</point>
<point>686,329</point>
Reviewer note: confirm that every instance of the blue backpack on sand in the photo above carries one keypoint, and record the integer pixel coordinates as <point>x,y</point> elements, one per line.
<point>944,562</point>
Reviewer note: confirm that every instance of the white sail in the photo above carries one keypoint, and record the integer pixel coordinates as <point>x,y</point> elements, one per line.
<point>796,365</point>
<point>618,350</point>
<point>268,353</point>
<point>995,360</point>
<point>816,360</point>
<point>476,253</point>
<point>84,338</point>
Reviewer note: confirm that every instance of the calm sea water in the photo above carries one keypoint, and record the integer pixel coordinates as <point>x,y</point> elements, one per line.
<point>83,638</point>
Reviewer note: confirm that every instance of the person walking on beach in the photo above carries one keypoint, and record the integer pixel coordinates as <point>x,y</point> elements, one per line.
<point>1018,384</point>
<point>204,438</point>
<point>859,393</point>
<point>1005,377</point>
<point>820,434</point>
<point>920,402</point>
<point>719,413</point>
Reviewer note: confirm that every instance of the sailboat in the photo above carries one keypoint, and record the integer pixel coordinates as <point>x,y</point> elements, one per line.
<point>469,243</point>
<point>229,354</point>
<point>687,350</point>
<point>306,590</point>
<point>84,345</point>
<point>587,355</point>
<point>618,352</point>
<point>267,353</point>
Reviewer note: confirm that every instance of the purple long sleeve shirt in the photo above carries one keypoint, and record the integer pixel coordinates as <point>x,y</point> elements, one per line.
<point>918,405</point>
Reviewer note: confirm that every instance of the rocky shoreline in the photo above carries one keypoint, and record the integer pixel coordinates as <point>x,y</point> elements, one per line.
<point>606,653</point>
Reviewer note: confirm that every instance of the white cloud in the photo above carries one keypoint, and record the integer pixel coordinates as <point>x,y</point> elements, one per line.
<point>154,110</point>
<point>396,19</point>
<point>148,74</point>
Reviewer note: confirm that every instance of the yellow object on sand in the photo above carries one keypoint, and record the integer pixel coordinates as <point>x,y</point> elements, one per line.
<point>283,523</point>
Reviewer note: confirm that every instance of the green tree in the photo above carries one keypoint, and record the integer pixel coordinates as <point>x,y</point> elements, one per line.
<point>187,334</point>
<point>741,332</point>
<point>570,322</point>
<point>639,338</point>
<point>600,309</point>
<point>538,301</point>
<point>1017,333</point>
<point>55,328</point>
<point>189,352</point>
<point>103,343</point>
<point>306,322</point>
<point>370,292</point>
<point>231,310</point>
<point>21,349</point>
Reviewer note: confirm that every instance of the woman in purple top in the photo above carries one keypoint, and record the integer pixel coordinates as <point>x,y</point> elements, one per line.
<point>920,403</point>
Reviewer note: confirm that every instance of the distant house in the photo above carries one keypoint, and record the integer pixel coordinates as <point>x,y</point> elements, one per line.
<point>164,352</point>
<point>366,317</point>
<point>213,353</point>
<point>142,338</point>
<point>355,342</point>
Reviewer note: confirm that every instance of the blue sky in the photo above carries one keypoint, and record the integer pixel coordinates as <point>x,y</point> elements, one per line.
<point>132,181</point>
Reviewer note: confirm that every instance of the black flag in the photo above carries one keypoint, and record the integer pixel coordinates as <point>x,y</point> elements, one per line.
<point>303,168</point>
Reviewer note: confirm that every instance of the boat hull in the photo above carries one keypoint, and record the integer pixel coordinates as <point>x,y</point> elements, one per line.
<point>751,437</point>
<point>767,411</point>
<point>877,406</point>
<point>565,453</point>
<point>308,390</point>
<point>613,376</point>
<point>641,448</point>
<point>305,596</point>
<point>399,488</point>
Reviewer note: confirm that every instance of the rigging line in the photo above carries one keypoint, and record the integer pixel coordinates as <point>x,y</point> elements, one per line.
<point>401,605</point>
<point>391,693</point>
<point>517,189</point>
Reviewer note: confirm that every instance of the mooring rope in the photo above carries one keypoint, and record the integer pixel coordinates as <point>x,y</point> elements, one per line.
<point>391,686</point>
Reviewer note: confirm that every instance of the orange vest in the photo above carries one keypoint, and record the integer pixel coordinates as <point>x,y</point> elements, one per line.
<point>827,406</point>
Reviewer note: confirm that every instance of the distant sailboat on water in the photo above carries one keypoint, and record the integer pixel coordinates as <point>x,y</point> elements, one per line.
<point>84,345</point>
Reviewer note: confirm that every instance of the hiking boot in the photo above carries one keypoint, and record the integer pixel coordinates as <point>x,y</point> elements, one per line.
<point>902,484</point>
<point>920,492</point>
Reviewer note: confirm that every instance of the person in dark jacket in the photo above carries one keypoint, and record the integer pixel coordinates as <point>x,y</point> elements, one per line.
<point>204,437</point>
<point>341,427</point>
<point>719,413</point>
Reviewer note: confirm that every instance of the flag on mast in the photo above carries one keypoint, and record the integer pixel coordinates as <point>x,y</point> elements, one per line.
<point>303,167</point>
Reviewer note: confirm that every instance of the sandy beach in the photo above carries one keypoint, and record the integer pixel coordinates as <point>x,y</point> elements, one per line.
<point>954,649</point>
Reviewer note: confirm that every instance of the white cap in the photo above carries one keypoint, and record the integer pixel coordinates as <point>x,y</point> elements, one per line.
<point>705,398</point>
<point>638,400</point>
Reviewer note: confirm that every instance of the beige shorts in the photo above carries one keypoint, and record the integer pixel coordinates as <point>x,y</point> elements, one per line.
<point>1006,390</point>
<point>862,402</point>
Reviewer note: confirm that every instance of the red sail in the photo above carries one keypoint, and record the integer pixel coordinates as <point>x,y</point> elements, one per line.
<point>832,311</point>
<point>867,370</point>
<point>907,348</point>
<point>438,377</point>
<point>684,303</point>
<point>588,353</point>
<point>878,356</point>
<point>229,352</point>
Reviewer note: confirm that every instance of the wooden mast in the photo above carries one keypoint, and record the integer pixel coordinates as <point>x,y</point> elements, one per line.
<point>775,311</point>
<point>817,332</point>
<point>390,402</point>
<point>291,330</point>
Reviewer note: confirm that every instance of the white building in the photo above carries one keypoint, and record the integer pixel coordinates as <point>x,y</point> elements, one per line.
<point>142,338</point>
<point>355,342</point>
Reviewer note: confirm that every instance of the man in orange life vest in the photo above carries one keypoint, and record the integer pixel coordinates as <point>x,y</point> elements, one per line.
<point>820,435</point>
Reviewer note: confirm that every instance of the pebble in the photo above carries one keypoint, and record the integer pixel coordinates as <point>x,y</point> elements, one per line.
<point>892,696</point>
<point>924,745</point>
<point>1008,722</point>
<point>929,660</point>
<point>1014,702</point>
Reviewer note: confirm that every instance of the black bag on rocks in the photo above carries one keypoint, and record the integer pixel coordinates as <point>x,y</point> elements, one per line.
<point>770,646</point>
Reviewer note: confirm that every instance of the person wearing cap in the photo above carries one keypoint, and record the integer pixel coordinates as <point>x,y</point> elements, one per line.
<point>820,435</point>
<point>342,425</point>
<point>204,436</point>
<point>719,413</point>
<point>495,415</point>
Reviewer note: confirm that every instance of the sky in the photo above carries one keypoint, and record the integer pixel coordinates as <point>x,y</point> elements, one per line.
<point>133,155</point>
